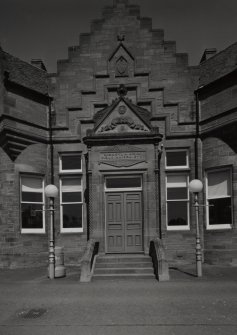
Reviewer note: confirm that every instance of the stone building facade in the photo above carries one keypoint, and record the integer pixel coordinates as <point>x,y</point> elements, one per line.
<point>121,129</point>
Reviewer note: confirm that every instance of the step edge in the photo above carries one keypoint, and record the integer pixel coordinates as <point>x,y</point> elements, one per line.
<point>125,275</point>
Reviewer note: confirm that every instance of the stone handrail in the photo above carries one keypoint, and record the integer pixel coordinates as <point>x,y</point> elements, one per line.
<point>87,261</point>
<point>157,253</point>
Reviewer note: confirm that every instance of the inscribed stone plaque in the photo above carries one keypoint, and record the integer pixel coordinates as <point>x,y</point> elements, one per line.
<point>122,157</point>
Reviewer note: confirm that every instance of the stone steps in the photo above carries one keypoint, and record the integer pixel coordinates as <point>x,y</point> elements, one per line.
<point>121,259</point>
<point>123,267</point>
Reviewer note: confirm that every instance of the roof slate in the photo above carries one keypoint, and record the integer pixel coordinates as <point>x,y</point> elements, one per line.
<point>219,65</point>
<point>25,74</point>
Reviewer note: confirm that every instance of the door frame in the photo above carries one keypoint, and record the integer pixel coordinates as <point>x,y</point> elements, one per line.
<point>122,190</point>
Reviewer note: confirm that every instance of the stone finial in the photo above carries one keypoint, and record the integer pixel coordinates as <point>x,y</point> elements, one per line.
<point>122,90</point>
<point>120,37</point>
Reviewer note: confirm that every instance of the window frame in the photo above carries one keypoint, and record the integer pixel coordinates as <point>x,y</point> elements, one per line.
<point>70,230</point>
<point>177,167</point>
<point>67,174</point>
<point>63,154</point>
<point>122,189</point>
<point>218,226</point>
<point>33,230</point>
<point>187,200</point>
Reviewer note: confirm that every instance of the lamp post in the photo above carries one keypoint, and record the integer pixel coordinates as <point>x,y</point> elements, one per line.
<point>51,192</point>
<point>196,186</point>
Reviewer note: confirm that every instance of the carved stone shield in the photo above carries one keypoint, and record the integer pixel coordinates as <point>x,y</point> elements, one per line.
<point>122,66</point>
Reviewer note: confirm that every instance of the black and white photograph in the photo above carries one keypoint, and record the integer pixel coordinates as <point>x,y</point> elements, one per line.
<point>118,167</point>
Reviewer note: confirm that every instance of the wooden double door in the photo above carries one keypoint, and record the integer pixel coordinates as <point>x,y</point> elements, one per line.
<point>124,222</point>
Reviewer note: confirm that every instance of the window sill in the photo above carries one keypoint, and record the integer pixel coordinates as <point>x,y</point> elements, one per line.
<point>33,232</point>
<point>72,231</point>
<point>221,227</point>
<point>181,228</point>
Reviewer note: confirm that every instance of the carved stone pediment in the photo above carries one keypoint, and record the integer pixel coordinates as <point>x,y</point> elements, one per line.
<point>122,124</point>
<point>123,118</point>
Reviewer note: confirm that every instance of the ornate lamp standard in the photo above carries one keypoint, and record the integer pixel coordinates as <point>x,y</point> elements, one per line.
<point>196,186</point>
<point>51,192</point>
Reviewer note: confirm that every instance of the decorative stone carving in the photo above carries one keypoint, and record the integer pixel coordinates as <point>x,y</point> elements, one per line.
<point>123,120</point>
<point>122,110</point>
<point>121,61</point>
<point>121,67</point>
<point>122,90</point>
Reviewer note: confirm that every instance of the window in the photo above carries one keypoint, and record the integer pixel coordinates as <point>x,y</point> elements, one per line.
<point>177,202</point>
<point>123,182</point>
<point>70,162</point>
<point>32,204</point>
<point>177,195</point>
<point>71,202</point>
<point>219,201</point>
<point>176,159</point>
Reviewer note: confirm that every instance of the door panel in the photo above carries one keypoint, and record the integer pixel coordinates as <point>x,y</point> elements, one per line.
<point>115,222</point>
<point>124,222</point>
<point>133,222</point>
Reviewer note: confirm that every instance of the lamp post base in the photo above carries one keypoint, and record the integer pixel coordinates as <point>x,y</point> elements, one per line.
<point>51,271</point>
<point>199,268</point>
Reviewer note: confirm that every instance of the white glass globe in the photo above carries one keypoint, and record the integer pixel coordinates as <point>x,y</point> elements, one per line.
<point>195,186</point>
<point>51,191</point>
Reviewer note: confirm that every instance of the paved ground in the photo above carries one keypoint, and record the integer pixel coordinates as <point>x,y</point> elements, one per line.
<point>30,303</point>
